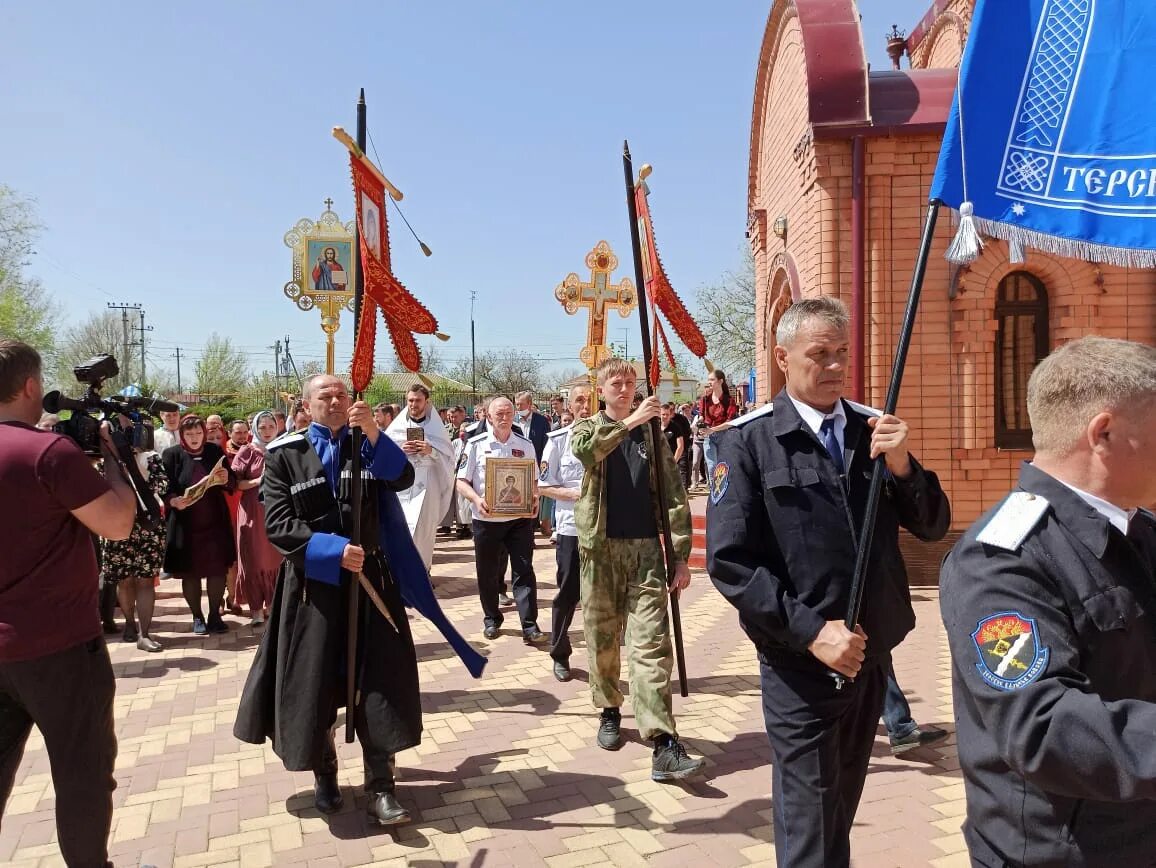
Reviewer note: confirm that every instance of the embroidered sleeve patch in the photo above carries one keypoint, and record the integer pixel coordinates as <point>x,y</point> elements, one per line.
<point>544,471</point>
<point>1011,653</point>
<point>720,481</point>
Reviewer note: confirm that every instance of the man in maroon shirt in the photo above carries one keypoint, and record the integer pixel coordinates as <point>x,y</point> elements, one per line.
<point>54,667</point>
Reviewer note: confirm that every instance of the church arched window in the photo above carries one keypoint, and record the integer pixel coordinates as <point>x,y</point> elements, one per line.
<point>1021,340</point>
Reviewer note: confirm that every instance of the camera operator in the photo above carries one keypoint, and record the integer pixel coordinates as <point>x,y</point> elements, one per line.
<point>54,667</point>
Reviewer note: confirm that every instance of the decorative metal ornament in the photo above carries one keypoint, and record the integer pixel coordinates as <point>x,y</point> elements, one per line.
<point>324,270</point>
<point>597,295</point>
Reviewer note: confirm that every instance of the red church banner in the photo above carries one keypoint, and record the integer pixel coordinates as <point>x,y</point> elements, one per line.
<point>404,315</point>
<point>662,295</point>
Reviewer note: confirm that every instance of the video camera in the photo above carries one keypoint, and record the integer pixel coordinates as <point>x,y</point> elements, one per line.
<point>90,410</point>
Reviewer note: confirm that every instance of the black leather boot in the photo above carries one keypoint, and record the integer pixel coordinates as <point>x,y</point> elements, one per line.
<point>385,810</point>
<point>326,794</point>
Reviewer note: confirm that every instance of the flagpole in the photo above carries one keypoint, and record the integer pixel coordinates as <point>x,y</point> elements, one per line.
<point>862,555</point>
<point>355,482</point>
<point>655,435</point>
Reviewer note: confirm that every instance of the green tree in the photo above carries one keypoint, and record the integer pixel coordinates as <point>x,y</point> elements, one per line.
<point>726,311</point>
<point>222,369</point>
<point>27,310</point>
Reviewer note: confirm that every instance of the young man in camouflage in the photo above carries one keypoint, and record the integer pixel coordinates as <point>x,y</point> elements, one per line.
<point>623,577</point>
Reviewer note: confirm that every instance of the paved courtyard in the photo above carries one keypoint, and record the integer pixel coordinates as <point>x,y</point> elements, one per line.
<point>507,773</point>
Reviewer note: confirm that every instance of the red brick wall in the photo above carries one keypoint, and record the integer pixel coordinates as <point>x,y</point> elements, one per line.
<point>948,388</point>
<point>942,47</point>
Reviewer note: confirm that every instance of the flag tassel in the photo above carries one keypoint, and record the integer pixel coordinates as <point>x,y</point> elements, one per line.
<point>966,246</point>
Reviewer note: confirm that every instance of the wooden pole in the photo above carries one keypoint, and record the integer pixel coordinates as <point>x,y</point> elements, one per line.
<point>656,480</point>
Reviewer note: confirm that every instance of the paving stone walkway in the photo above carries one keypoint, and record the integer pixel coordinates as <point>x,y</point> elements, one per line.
<point>507,773</point>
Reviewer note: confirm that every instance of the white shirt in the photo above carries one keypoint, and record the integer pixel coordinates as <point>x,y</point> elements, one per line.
<point>560,469</point>
<point>472,467</point>
<point>1116,516</point>
<point>814,420</point>
<point>163,438</point>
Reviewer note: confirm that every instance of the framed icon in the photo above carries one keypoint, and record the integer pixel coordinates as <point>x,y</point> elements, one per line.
<point>328,265</point>
<point>510,487</point>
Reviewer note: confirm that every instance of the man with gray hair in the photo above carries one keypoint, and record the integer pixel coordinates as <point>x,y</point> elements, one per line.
<point>787,500</point>
<point>1048,601</point>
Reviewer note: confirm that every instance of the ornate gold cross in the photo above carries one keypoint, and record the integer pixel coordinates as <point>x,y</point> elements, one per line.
<point>598,295</point>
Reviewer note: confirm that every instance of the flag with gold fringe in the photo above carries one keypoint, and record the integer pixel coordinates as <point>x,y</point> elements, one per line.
<point>404,315</point>
<point>660,295</point>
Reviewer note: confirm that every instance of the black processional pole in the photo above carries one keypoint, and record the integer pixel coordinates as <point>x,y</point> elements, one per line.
<point>862,555</point>
<point>352,619</point>
<point>656,479</point>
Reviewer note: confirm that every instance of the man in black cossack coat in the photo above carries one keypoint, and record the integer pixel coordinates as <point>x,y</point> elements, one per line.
<point>298,678</point>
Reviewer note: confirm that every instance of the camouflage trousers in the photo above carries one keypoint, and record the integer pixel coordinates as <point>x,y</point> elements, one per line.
<point>624,582</point>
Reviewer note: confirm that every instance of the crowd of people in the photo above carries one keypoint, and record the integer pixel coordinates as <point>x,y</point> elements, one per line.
<point>1041,599</point>
<point>217,547</point>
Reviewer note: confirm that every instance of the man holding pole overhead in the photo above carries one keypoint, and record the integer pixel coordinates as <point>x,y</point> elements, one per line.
<point>623,574</point>
<point>787,501</point>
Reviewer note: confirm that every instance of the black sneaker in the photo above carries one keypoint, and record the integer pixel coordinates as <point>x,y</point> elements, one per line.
<point>918,737</point>
<point>217,625</point>
<point>609,729</point>
<point>491,632</point>
<point>505,600</point>
<point>671,762</point>
<point>535,637</point>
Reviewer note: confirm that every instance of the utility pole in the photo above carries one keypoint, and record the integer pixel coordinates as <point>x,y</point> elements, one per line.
<point>276,348</point>
<point>289,363</point>
<point>473,348</point>
<point>124,309</point>
<point>178,354</point>
<point>142,328</point>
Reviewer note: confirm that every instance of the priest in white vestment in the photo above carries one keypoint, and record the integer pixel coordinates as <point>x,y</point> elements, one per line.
<point>432,457</point>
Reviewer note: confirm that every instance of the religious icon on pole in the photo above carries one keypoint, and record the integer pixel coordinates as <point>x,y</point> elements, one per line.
<point>324,270</point>
<point>598,295</point>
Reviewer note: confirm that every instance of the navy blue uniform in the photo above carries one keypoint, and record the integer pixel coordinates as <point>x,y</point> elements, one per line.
<point>782,525</point>
<point>1049,610</point>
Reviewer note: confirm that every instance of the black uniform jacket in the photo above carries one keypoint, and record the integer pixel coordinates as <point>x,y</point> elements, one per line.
<point>1053,649</point>
<point>179,466</point>
<point>298,673</point>
<point>782,527</point>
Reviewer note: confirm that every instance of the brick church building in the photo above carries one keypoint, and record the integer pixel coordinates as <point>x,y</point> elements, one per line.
<point>841,162</point>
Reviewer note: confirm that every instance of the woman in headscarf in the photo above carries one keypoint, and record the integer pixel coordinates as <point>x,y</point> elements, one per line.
<point>257,560</point>
<point>200,540</point>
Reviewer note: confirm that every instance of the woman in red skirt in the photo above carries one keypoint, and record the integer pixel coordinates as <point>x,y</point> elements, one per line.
<point>257,560</point>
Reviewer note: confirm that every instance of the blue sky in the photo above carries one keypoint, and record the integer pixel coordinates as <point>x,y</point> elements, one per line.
<point>169,147</point>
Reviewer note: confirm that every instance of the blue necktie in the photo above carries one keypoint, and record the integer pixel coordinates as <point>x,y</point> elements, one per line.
<point>831,442</point>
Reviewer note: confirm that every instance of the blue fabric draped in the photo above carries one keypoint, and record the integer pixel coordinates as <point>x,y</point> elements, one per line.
<point>1051,136</point>
<point>409,570</point>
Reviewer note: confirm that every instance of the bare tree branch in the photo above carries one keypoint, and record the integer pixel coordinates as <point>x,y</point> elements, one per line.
<point>726,314</point>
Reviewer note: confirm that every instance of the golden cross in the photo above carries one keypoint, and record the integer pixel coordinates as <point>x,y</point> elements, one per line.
<point>598,295</point>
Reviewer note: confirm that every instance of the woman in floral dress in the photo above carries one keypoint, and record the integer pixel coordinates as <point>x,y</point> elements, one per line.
<point>133,564</point>
<point>257,560</point>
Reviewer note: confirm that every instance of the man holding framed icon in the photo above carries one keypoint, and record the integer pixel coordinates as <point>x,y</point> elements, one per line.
<point>497,475</point>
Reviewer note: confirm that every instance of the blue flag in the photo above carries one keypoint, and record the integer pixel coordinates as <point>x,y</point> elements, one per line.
<point>1051,140</point>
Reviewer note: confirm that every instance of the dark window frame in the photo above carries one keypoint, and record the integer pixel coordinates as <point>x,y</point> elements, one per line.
<point>1007,437</point>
